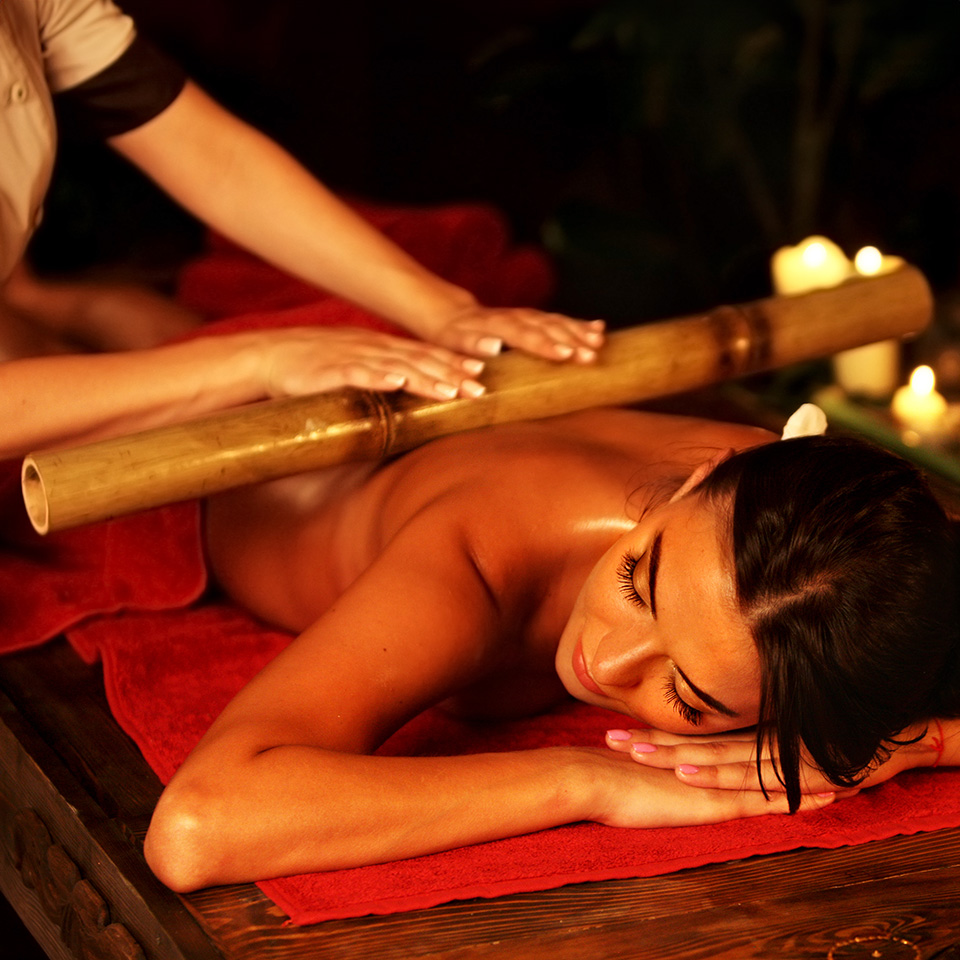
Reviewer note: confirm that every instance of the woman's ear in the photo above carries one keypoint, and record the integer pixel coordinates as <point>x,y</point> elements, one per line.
<point>702,472</point>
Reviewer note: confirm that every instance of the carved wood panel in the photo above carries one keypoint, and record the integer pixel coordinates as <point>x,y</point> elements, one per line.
<point>69,901</point>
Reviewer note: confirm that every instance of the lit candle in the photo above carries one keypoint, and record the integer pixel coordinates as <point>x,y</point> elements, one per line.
<point>870,262</point>
<point>812,264</point>
<point>918,405</point>
<point>871,371</point>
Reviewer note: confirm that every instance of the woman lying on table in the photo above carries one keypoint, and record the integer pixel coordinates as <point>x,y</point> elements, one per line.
<point>692,575</point>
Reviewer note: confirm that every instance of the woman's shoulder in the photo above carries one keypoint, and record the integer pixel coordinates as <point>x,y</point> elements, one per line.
<point>507,458</point>
<point>599,439</point>
<point>499,481</point>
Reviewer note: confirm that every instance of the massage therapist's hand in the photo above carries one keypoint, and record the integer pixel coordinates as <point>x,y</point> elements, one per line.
<point>727,761</point>
<point>632,796</point>
<point>484,331</point>
<point>305,360</point>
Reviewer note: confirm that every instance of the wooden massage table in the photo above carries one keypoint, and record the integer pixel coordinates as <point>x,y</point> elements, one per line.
<point>76,797</point>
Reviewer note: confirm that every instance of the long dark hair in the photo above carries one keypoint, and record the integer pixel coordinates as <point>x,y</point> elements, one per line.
<point>846,571</point>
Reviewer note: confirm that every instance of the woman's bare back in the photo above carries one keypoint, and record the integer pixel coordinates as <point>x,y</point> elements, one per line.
<point>549,488</point>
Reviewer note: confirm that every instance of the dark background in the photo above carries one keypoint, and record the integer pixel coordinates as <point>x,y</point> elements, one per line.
<point>660,150</point>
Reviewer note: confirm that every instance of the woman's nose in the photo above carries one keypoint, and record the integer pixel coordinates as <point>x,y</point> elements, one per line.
<point>619,660</point>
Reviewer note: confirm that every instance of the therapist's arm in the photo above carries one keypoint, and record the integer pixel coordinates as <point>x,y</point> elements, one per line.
<point>73,398</point>
<point>249,189</point>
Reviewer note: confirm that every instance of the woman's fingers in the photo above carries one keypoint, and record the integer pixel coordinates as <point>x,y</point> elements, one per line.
<point>743,775</point>
<point>657,798</point>
<point>484,331</point>
<point>653,744</point>
<point>317,359</point>
<point>421,369</point>
<point>723,761</point>
<point>752,803</point>
<point>313,360</point>
<point>423,379</point>
<point>726,763</point>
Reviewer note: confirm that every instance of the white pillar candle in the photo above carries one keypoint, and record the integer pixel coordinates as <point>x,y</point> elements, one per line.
<point>812,264</point>
<point>918,406</point>
<point>873,370</point>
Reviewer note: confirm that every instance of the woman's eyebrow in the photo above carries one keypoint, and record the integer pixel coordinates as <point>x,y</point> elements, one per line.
<point>706,698</point>
<point>653,568</point>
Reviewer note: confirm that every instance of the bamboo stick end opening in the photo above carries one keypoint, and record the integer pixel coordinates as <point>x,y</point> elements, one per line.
<point>35,497</point>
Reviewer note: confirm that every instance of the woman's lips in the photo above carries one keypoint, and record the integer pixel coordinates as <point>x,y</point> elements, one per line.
<point>580,670</point>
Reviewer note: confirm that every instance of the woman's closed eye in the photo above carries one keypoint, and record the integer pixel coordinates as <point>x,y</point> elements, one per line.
<point>692,716</point>
<point>626,576</point>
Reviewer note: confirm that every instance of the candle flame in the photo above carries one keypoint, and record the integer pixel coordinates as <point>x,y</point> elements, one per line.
<point>868,261</point>
<point>814,254</point>
<point>923,380</point>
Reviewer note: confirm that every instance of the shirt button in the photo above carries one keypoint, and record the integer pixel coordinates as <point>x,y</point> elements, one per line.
<point>18,92</point>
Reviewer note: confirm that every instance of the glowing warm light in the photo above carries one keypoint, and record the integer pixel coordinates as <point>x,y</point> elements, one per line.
<point>814,255</point>
<point>813,264</point>
<point>868,261</point>
<point>923,380</point>
<point>918,406</point>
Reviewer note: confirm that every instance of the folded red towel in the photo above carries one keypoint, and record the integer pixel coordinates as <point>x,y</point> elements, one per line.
<point>169,669</point>
<point>151,561</point>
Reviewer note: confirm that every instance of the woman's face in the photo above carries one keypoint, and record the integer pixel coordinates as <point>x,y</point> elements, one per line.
<point>655,631</point>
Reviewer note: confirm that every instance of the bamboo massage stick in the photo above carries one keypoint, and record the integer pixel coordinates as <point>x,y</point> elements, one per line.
<point>276,438</point>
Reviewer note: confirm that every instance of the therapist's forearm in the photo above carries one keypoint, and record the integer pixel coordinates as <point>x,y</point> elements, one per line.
<point>82,397</point>
<point>247,187</point>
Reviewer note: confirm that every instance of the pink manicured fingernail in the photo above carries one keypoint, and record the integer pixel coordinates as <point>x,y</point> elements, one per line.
<point>395,379</point>
<point>473,389</point>
<point>688,768</point>
<point>586,355</point>
<point>447,390</point>
<point>618,734</point>
<point>563,350</point>
<point>473,366</point>
<point>643,748</point>
<point>490,345</point>
<point>828,794</point>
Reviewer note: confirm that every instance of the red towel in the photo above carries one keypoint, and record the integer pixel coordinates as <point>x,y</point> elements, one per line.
<point>131,590</point>
<point>468,244</point>
<point>151,561</point>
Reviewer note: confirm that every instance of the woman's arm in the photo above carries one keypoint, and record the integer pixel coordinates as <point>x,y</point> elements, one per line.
<point>284,781</point>
<point>81,397</point>
<point>247,187</point>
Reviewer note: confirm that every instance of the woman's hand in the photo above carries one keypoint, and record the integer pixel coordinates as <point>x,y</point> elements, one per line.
<point>316,359</point>
<point>652,797</point>
<point>484,331</point>
<point>727,761</point>
<point>246,187</point>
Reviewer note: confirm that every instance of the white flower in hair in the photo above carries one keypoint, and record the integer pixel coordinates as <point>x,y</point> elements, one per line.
<point>806,421</point>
